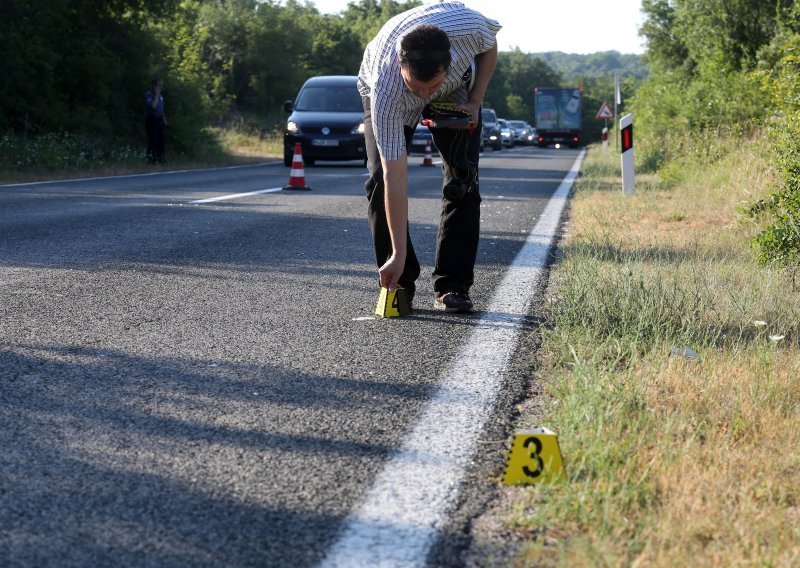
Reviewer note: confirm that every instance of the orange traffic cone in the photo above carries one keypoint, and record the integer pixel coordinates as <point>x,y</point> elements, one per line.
<point>428,159</point>
<point>297,178</point>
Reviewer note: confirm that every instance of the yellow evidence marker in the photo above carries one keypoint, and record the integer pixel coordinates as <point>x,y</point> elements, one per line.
<point>534,457</point>
<point>392,304</point>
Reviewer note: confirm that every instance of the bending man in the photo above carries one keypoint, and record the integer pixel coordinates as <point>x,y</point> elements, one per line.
<point>437,52</point>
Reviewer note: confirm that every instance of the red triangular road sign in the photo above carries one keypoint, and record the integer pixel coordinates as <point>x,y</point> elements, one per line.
<point>605,111</point>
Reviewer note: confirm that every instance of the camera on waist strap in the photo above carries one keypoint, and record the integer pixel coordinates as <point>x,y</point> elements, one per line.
<point>444,115</point>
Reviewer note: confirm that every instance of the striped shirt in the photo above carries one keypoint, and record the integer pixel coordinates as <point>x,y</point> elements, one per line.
<point>393,105</point>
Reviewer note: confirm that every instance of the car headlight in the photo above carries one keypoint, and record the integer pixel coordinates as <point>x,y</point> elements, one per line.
<point>359,129</point>
<point>292,127</point>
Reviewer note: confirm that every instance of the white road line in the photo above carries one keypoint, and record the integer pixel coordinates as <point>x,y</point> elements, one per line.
<point>402,514</point>
<point>78,180</point>
<point>235,195</point>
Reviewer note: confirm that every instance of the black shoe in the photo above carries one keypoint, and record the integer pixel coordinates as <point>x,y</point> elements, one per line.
<point>455,302</point>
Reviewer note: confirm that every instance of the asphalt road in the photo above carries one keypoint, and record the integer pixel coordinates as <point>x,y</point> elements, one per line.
<point>202,384</point>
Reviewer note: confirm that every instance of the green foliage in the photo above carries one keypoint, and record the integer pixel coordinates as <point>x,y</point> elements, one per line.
<point>76,66</point>
<point>666,48</point>
<point>82,66</point>
<point>702,78</point>
<point>516,107</point>
<point>365,18</point>
<point>701,37</point>
<point>701,53</point>
<point>335,48</point>
<point>596,65</point>
<point>265,77</point>
<point>779,241</point>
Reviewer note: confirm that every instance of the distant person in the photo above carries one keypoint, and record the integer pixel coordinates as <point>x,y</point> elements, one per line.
<point>155,122</point>
<point>439,52</point>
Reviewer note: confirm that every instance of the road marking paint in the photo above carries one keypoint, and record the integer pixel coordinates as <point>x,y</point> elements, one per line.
<point>235,195</point>
<point>78,180</point>
<point>401,515</point>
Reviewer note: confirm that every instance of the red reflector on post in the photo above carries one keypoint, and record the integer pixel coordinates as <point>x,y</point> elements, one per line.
<point>627,138</point>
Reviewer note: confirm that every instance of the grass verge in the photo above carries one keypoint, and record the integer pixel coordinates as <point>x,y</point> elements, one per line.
<point>669,367</point>
<point>67,156</point>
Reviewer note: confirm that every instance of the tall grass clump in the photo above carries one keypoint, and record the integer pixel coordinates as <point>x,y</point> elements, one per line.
<point>669,265</point>
<point>251,136</point>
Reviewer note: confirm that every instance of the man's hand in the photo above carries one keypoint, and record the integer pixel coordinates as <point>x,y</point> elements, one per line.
<point>473,108</point>
<point>391,271</point>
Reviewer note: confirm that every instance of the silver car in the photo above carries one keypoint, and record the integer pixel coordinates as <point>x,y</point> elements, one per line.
<point>521,132</point>
<point>506,134</point>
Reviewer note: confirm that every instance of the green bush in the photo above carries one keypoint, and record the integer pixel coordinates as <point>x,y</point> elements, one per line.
<point>779,241</point>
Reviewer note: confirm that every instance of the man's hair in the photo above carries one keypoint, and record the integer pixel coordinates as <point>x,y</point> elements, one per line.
<point>426,51</point>
<point>155,81</point>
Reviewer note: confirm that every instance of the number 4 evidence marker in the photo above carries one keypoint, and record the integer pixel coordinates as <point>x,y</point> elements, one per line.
<point>392,304</point>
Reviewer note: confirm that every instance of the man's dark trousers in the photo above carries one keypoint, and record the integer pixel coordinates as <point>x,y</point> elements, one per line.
<point>459,225</point>
<point>154,126</point>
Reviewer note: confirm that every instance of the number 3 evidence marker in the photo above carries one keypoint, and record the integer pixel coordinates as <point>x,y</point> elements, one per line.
<point>534,457</point>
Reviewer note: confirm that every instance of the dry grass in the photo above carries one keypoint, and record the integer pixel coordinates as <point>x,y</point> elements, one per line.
<point>728,489</point>
<point>673,461</point>
<point>250,144</point>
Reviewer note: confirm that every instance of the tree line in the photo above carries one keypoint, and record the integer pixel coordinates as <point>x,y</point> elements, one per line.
<point>82,66</point>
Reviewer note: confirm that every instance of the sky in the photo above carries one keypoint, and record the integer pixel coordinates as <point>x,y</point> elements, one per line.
<point>571,26</point>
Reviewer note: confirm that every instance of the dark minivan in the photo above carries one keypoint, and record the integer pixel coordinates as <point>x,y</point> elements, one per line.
<point>327,119</point>
<point>491,129</point>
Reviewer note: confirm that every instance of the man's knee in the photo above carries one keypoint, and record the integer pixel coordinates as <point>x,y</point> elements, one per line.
<point>460,180</point>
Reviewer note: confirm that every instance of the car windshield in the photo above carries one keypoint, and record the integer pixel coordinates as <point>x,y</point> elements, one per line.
<point>329,99</point>
<point>516,124</point>
<point>487,116</point>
